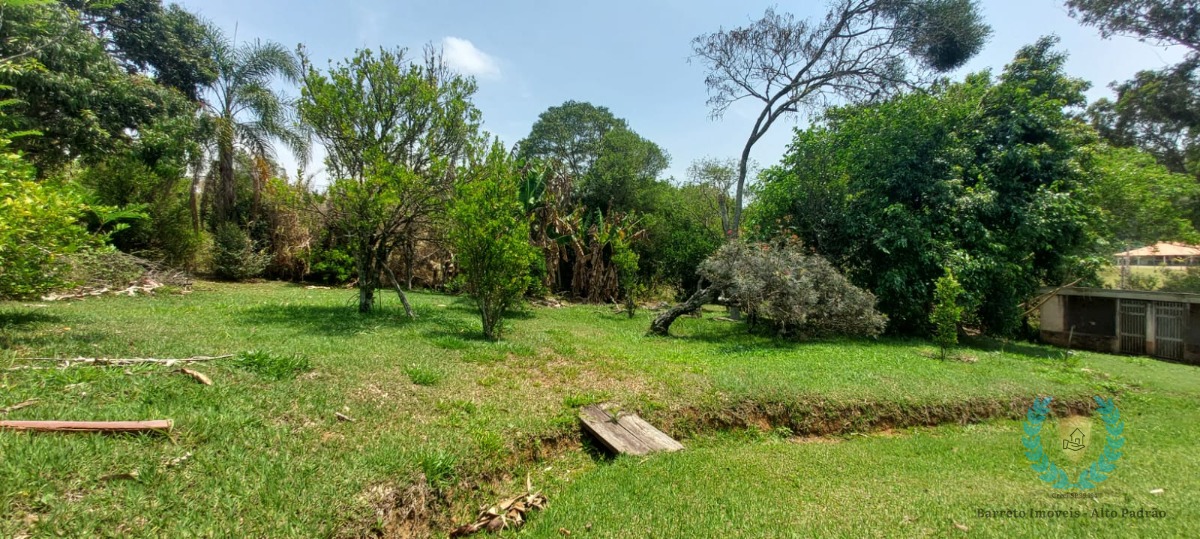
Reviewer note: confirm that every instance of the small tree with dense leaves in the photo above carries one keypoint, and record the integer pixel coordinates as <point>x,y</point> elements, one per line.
<point>39,224</point>
<point>947,313</point>
<point>490,235</point>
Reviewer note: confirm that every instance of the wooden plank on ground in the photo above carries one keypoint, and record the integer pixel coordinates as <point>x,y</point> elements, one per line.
<point>627,434</point>
<point>89,426</point>
<point>610,433</point>
<point>656,439</point>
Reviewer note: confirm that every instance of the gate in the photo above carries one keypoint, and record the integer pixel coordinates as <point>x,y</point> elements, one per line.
<point>1169,323</point>
<point>1131,326</point>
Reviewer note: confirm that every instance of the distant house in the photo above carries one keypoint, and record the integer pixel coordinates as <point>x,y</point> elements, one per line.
<point>1162,253</point>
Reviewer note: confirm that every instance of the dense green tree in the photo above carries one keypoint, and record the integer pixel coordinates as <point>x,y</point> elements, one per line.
<point>980,176</point>
<point>166,42</point>
<point>1157,110</point>
<point>1163,22</point>
<point>860,50</point>
<point>395,131</point>
<point>246,111</point>
<point>625,171</point>
<point>71,90</point>
<point>1139,200</point>
<point>40,222</point>
<point>570,134</point>
<point>490,235</point>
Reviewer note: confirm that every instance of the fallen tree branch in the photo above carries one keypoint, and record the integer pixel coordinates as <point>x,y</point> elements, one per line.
<point>122,362</point>
<point>662,324</point>
<point>162,426</point>
<point>1041,300</point>
<point>18,406</point>
<point>198,376</point>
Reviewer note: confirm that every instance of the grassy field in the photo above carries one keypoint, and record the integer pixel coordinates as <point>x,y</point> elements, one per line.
<point>913,444</point>
<point>1111,276</point>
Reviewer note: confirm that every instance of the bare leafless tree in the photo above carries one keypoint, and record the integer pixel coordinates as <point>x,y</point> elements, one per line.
<point>861,50</point>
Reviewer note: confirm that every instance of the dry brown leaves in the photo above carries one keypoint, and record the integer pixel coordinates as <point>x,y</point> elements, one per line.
<point>507,514</point>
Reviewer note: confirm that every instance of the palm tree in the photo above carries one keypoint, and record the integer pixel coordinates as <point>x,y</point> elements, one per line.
<point>247,112</point>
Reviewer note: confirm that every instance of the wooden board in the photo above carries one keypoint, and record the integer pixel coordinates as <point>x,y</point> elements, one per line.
<point>653,437</point>
<point>626,434</point>
<point>89,426</point>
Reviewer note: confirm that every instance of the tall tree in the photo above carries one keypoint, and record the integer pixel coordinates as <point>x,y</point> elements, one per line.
<point>571,134</point>
<point>624,171</point>
<point>862,49</point>
<point>1163,22</point>
<point>246,110</point>
<point>394,131</point>
<point>1157,110</point>
<point>986,177</point>
<point>71,90</point>
<point>716,178</point>
<point>167,42</point>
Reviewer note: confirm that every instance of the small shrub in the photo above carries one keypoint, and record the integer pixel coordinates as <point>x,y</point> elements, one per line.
<point>423,375</point>
<point>332,266</point>
<point>490,234</point>
<point>235,257</point>
<point>1142,281</point>
<point>947,313</point>
<point>1187,282</point>
<point>795,291</point>
<point>39,223</point>
<point>272,365</point>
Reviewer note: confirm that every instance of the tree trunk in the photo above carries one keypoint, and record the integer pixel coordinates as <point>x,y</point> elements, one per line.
<point>194,201</point>
<point>662,325</point>
<point>227,193</point>
<point>366,295</point>
<point>410,254</point>
<point>366,283</point>
<point>403,298</point>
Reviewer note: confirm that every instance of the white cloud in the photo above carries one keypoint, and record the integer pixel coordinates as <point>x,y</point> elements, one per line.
<point>462,55</point>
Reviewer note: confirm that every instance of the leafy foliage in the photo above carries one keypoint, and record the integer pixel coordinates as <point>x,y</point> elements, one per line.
<point>394,131</point>
<point>1157,110</point>
<point>70,89</point>
<point>1160,21</point>
<point>167,42</point>
<point>796,291</point>
<point>571,134</point>
<point>1187,281</point>
<point>491,237</point>
<point>39,224</point>
<point>235,257</point>
<point>1141,202</point>
<point>947,313</point>
<point>981,175</point>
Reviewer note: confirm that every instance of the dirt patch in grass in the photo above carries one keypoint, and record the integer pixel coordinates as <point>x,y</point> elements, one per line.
<point>809,418</point>
<point>420,510</point>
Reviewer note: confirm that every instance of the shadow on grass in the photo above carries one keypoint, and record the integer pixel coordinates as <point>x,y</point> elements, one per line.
<point>342,320</point>
<point>15,319</point>
<point>1026,349</point>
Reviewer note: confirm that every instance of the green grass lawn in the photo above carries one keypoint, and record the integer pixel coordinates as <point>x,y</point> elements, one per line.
<point>268,458</point>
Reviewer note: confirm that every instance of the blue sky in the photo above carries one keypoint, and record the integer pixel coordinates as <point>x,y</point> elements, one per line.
<point>630,56</point>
